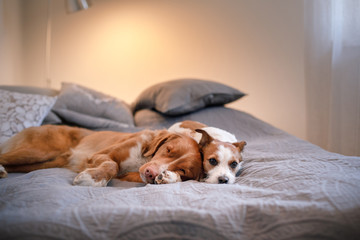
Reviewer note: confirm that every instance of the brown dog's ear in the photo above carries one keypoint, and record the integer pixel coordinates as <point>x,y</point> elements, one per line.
<point>150,149</point>
<point>240,145</point>
<point>205,139</point>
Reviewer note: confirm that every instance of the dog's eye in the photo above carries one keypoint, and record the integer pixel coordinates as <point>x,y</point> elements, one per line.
<point>182,170</point>
<point>213,161</point>
<point>233,164</point>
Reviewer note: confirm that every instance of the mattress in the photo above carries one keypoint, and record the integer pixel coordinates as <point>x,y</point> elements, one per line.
<point>288,189</point>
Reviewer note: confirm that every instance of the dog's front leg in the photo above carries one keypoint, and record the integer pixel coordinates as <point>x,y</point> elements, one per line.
<point>131,177</point>
<point>167,177</point>
<point>101,169</point>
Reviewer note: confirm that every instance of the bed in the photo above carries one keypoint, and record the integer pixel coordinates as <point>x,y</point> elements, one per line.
<point>288,188</point>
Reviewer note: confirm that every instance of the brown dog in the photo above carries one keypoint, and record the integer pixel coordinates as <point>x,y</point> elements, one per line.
<point>146,156</point>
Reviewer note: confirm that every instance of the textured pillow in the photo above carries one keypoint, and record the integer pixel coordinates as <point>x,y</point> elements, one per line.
<point>184,96</point>
<point>88,108</point>
<point>19,111</point>
<point>51,118</point>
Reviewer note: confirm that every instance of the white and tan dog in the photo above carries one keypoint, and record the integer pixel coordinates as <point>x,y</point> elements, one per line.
<point>221,151</point>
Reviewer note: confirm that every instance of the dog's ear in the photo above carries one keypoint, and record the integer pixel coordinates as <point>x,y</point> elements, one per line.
<point>239,172</point>
<point>240,145</point>
<point>205,138</point>
<point>150,149</point>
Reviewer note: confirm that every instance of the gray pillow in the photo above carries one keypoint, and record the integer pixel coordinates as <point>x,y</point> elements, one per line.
<point>30,90</point>
<point>88,108</point>
<point>20,110</point>
<point>184,96</point>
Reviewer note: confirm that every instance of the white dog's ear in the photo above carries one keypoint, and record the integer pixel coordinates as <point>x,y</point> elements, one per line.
<point>205,139</point>
<point>240,145</point>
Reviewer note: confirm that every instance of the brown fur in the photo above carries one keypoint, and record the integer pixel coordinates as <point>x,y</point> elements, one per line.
<point>100,154</point>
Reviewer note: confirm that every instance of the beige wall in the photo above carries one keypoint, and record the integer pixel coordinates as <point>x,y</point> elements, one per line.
<point>34,32</point>
<point>10,42</point>
<point>122,47</point>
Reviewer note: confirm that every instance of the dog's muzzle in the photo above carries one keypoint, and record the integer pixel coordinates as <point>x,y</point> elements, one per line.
<point>223,180</point>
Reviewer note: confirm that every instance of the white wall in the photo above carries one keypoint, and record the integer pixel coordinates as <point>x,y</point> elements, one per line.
<point>122,47</point>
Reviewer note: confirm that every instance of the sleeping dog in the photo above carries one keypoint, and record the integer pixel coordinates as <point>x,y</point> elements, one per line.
<point>147,156</point>
<point>221,151</point>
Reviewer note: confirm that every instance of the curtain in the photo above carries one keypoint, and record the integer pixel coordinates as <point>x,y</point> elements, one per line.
<point>332,72</point>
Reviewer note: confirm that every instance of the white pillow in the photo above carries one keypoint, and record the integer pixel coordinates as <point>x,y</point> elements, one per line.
<point>19,111</point>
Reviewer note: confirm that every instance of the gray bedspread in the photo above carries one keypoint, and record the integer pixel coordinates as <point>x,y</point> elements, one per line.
<point>288,189</point>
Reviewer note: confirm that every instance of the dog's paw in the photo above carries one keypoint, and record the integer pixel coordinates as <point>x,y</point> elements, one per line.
<point>3,173</point>
<point>85,179</point>
<point>167,177</point>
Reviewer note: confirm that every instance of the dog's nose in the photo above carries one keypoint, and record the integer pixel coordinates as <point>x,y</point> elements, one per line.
<point>223,180</point>
<point>150,174</point>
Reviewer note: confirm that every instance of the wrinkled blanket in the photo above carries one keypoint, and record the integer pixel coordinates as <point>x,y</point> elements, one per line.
<point>288,189</point>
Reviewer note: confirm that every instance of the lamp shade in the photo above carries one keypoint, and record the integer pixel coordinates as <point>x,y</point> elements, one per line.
<point>77,5</point>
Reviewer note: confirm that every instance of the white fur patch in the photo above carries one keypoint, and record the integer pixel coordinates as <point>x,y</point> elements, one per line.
<point>85,179</point>
<point>134,161</point>
<point>167,177</point>
<point>3,172</point>
<point>146,137</point>
<point>215,133</point>
<point>79,155</point>
<point>175,128</point>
